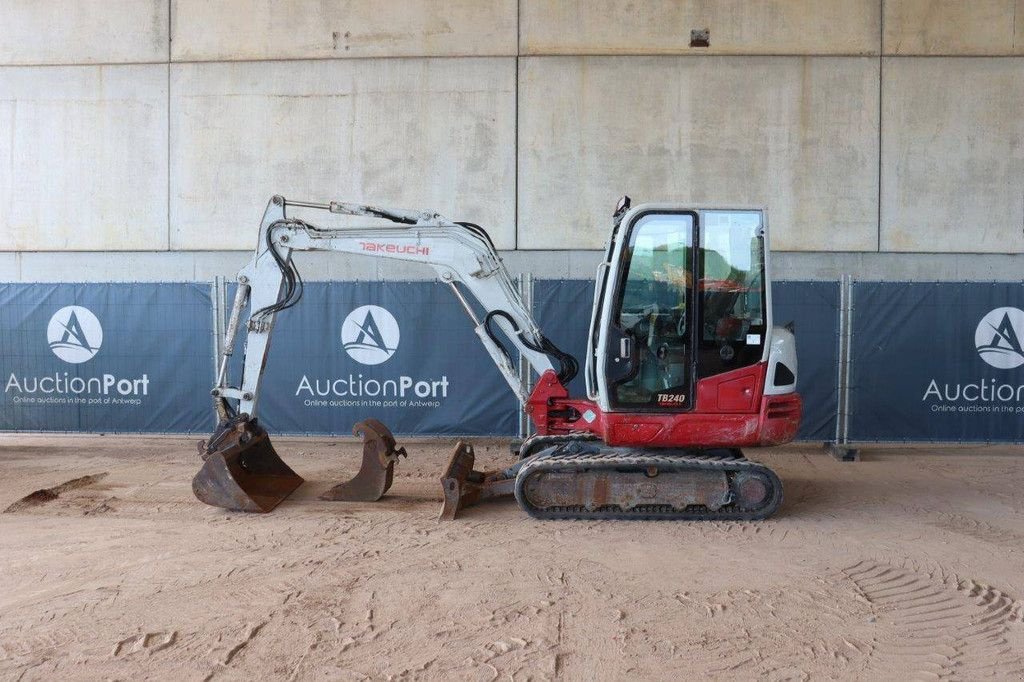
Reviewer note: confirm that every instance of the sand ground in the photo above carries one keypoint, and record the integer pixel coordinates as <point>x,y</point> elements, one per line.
<point>907,565</point>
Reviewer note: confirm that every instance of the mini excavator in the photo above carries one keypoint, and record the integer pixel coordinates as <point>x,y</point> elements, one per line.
<point>683,368</point>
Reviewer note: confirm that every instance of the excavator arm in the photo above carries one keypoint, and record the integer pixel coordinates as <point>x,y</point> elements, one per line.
<point>461,254</point>
<point>242,471</point>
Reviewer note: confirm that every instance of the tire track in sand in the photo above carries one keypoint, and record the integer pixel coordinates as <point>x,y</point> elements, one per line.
<point>931,628</point>
<point>977,529</point>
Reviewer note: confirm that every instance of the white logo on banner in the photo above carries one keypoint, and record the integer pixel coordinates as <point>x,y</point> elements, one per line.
<point>997,338</point>
<point>74,334</point>
<point>370,334</point>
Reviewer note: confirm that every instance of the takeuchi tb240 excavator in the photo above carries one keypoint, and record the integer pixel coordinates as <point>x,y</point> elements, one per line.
<point>683,368</point>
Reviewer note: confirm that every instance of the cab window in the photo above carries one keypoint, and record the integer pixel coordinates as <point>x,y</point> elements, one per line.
<point>657,298</point>
<point>732,324</point>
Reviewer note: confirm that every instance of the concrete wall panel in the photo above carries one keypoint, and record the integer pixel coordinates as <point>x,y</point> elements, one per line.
<point>83,157</point>
<point>83,31</point>
<point>953,155</point>
<point>736,26</point>
<point>312,29</point>
<point>431,133</point>
<point>797,134</point>
<point>954,27</point>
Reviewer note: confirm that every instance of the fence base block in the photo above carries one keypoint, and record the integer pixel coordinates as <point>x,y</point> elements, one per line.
<point>843,453</point>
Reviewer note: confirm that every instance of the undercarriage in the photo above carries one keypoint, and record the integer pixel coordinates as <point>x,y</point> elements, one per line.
<point>566,477</point>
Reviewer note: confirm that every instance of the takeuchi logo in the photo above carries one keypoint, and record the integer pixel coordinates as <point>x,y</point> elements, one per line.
<point>997,338</point>
<point>370,334</point>
<point>74,334</point>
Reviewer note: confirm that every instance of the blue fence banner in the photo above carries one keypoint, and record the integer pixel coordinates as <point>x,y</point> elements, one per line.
<point>121,358</point>
<point>813,308</point>
<point>563,307</point>
<point>937,361</point>
<point>401,352</point>
<point>929,361</point>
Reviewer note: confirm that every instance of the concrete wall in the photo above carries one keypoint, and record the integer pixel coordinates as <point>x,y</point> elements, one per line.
<point>953,27</point>
<point>141,139</point>
<point>83,31</point>
<point>437,133</point>
<point>797,134</point>
<point>953,154</point>
<point>740,27</point>
<point>231,30</point>
<point>83,163</point>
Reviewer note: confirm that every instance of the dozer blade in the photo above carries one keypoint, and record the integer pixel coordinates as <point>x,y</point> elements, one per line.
<point>462,486</point>
<point>241,471</point>
<point>378,467</point>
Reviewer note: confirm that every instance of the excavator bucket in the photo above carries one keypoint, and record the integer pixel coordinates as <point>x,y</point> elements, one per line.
<point>377,469</point>
<point>241,471</point>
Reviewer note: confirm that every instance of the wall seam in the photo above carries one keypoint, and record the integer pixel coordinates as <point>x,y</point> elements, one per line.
<point>170,37</point>
<point>1013,34</point>
<point>881,63</point>
<point>515,126</point>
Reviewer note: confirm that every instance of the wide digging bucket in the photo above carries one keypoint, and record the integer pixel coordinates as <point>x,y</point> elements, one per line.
<point>241,471</point>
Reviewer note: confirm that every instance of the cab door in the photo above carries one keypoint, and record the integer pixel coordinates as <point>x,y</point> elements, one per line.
<point>646,354</point>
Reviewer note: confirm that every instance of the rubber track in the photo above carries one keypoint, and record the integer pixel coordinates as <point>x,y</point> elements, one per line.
<point>561,461</point>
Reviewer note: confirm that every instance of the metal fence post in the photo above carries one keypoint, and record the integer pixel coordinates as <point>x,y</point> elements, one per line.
<point>525,372</point>
<point>840,449</point>
<point>849,363</point>
<point>217,301</point>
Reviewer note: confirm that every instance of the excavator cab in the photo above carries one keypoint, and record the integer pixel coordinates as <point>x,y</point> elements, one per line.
<point>682,350</point>
<point>680,298</point>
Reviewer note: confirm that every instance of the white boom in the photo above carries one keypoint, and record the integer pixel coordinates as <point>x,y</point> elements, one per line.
<point>460,253</point>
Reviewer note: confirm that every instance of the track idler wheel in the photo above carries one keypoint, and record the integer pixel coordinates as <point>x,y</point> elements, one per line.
<point>241,470</point>
<point>377,470</point>
<point>753,490</point>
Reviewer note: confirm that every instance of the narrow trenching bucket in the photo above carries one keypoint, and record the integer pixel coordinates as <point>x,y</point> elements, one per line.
<point>376,471</point>
<point>241,471</point>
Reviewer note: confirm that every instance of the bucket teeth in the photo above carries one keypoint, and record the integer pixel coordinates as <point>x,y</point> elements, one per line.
<point>242,471</point>
<point>377,469</point>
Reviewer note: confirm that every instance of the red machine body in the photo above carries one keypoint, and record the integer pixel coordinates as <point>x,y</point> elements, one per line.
<point>730,411</point>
